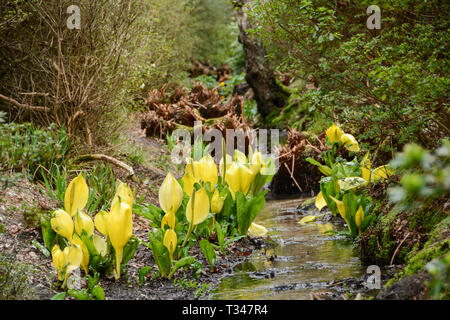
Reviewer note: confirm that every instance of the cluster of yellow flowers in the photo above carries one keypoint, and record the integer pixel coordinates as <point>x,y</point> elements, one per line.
<point>238,174</point>
<point>73,224</point>
<point>336,135</point>
<point>207,194</point>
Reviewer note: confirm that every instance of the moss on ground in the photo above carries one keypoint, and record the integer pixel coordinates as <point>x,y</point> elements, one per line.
<point>426,228</point>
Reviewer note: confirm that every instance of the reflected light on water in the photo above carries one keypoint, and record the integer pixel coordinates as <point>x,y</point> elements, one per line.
<point>305,261</point>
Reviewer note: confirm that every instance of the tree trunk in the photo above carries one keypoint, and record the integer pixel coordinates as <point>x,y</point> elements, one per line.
<point>269,95</point>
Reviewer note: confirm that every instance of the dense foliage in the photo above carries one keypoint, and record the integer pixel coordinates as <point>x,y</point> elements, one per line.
<point>376,83</point>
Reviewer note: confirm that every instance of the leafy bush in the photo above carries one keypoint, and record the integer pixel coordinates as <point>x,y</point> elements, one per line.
<point>84,79</point>
<point>426,175</point>
<point>377,83</point>
<point>214,29</point>
<point>27,148</point>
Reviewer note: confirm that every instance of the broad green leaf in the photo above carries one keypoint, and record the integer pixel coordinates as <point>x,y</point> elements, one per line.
<point>208,251</point>
<point>220,234</point>
<point>98,293</point>
<point>129,250</point>
<point>248,210</point>
<point>47,233</point>
<point>182,263</point>
<point>41,248</point>
<point>143,272</point>
<point>79,294</point>
<point>160,254</point>
<point>322,168</point>
<point>59,296</point>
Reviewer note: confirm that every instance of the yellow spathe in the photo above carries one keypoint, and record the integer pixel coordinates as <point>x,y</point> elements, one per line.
<point>76,196</point>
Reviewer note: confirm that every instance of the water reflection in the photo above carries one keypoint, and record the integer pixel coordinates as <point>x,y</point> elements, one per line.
<point>306,259</point>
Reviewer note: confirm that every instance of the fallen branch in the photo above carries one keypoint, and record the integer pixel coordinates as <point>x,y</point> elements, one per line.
<point>24,106</point>
<point>102,157</point>
<point>292,176</point>
<point>398,247</point>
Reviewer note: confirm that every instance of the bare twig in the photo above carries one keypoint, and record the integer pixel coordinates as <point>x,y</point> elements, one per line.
<point>295,181</point>
<point>398,247</point>
<point>102,157</point>
<point>24,106</point>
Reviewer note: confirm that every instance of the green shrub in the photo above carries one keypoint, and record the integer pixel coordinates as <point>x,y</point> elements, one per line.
<point>376,83</point>
<point>25,147</point>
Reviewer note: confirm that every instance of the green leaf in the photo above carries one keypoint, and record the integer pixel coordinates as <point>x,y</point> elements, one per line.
<point>47,233</point>
<point>234,239</point>
<point>227,207</point>
<point>89,244</point>
<point>144,271</point>
<point>208,251</point>
<point>98,293</point>
<point>160,254</point>
<point>248,210</point>
<point>129,250</point>
<point>79,294</point>
<point>59,296</point>
<point>182,263</point>
<point>322,168</point>
<point>41,248</point>
<point>220,234</point>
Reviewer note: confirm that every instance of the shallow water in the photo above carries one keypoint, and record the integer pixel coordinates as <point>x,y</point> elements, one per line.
<point>306,260</point>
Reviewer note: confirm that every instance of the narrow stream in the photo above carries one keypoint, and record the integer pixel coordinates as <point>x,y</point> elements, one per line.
<point>306,260</point>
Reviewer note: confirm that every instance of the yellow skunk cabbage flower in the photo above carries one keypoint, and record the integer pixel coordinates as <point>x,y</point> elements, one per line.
<point>100,222</point>
<point>169,219</point>
<point>73,256</point>
<point>170,194</point>
<point>198,211</point>
<point>351,183</point>
<point>170,242</point>
<point>320,201</point>
<point>366,168</point>
<point>359,218</point>
<point>334,134</point>
<point>380,173</point>
<point>84,222</point>
<point>58,261</point>
<point>308,219</point>
<point>239,178</point>
<point>123,193</point>
<point>229,161</point>
<point>240,157</point>
<point>62,224</point>
<point>341,209</point>
<point>258,164</point>
<point>100,245</point>
<point>188,180</point>
<point>217,202</point>
<point>119,224</point>
<point>170,198</point>
<point>77,195</point>
<point>66,261</point>
<point>257,230</point>
<point>85,260</point>
<point>206,170</point>
<point>350,142</point>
